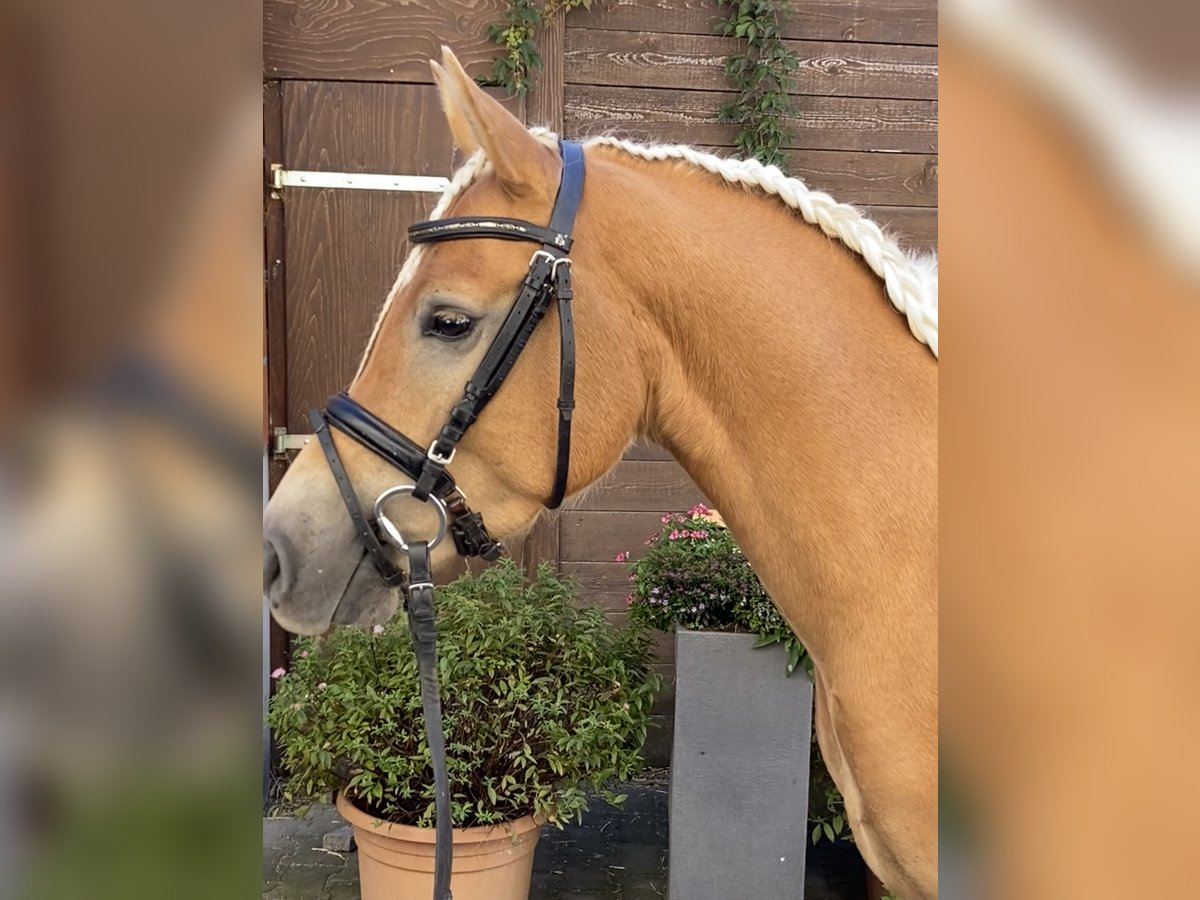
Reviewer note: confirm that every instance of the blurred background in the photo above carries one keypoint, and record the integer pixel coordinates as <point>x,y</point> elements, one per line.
<point>131,449</point>
<point>133,439</point>
<point>1070,432</point>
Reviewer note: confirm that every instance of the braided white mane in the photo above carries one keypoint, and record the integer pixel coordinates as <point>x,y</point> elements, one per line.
<point>911,282</point>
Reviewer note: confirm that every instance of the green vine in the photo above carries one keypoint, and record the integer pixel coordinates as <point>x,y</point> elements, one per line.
<point>516,35</point>
<point>762,74</point>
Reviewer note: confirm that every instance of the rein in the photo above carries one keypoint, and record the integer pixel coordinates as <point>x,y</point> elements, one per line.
<point>548,279</point>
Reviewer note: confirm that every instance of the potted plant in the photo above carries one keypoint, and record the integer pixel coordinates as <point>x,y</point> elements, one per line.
<point>742,748</point>
<point>542,700</point>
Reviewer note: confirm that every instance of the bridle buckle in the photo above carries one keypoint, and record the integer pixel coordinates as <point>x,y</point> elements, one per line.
<point>550,258</point>
<point>438,458</point>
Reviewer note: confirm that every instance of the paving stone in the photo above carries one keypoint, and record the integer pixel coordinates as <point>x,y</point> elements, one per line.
<point>655,889</point>
<point>640,859</point>
<point>279,832</point>
<point>301,884</point>
<point>545,884</point>
<point>340,840</point>
<point>344,892</point>
<point>272,857</point>
<point>346,875</point>
<point>313,858</point>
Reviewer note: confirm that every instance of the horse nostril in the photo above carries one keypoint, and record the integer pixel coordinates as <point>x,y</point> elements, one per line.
<point>272,569</point>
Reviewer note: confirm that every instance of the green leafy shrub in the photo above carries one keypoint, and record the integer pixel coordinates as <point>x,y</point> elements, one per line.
<point>693,575</point>
<point>541,700</point>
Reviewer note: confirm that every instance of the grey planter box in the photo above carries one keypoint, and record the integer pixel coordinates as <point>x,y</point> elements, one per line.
<point>739,771</point>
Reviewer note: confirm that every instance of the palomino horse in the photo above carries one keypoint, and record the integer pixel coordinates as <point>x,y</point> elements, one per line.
<point>764,355</point>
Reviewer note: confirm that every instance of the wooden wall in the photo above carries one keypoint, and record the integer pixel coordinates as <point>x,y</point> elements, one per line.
<point>348,89</point>
<point>865,124</point>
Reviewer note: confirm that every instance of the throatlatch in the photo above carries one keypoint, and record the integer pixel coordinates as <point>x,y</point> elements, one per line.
<point>548,279</point>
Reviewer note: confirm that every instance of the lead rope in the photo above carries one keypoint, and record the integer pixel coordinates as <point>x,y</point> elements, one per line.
<point>423,628</point>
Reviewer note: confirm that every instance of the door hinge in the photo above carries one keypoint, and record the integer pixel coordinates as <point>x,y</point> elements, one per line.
<point>422,184</point>
<point>282,442</point>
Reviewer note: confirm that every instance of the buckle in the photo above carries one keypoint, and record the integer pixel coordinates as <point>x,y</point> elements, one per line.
<point>436,457</point>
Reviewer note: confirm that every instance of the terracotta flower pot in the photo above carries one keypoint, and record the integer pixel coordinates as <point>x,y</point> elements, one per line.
<point>395,862</point>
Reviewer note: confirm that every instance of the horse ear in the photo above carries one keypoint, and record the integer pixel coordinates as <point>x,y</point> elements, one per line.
<point>460,129</point>
<point>521,162</point>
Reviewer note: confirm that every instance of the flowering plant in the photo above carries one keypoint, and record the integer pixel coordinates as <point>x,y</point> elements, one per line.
<point>694,576</point>
<point>540,699</point>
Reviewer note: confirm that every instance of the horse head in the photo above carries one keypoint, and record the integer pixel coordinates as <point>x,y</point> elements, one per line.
<point>444,312</point>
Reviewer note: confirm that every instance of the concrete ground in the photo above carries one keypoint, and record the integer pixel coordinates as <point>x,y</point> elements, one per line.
<point>613,855</point>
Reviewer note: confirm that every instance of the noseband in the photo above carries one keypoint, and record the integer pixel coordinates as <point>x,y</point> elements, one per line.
<point>547,279</point>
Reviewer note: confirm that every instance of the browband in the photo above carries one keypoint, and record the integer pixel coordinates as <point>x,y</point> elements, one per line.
<point>505,229</point>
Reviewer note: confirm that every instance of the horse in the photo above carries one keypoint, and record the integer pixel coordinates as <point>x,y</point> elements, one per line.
<point>711,317</point>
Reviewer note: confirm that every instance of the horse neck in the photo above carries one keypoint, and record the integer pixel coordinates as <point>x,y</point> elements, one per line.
<point>789,390</point>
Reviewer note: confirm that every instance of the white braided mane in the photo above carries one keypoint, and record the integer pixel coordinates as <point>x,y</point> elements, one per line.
<point>911,281</point>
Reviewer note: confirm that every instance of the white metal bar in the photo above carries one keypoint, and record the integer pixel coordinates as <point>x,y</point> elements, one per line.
<point>423,184</point>
<point>284,442</point>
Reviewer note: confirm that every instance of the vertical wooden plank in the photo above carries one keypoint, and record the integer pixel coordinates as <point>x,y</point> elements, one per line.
<point>274,310</point>
<point>542,543</point>
<point>545,102</point>
<point>544,107</point>
<point>274,295</point>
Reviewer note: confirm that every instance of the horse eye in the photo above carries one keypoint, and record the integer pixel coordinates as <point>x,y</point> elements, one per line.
<point>449,325</point>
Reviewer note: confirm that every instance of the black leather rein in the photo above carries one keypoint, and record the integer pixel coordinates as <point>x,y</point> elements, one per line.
<point>547,280</point>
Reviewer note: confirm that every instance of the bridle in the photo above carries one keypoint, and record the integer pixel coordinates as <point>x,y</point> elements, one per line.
<point>547,279</point>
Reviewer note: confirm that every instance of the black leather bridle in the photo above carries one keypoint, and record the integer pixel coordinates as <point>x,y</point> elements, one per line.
<point>548,279</point>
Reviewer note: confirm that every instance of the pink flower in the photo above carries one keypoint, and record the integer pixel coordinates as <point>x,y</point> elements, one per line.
<point>279,673</point>
<point>304,654</point>
<point>698,510</point>
<point>629,600</point>
<point>674,536</point>
<point>322,686</point>
<point>700,535</point>
<point>378,629</point>
<point>623,556</point>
